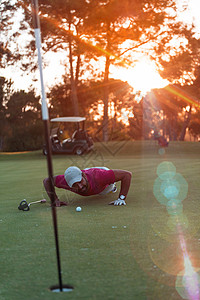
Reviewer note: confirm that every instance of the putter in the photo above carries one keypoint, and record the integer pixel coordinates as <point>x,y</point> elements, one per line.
<point>25,206</point>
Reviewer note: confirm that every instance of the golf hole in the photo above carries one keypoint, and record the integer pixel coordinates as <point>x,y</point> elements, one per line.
<point>65,288</point>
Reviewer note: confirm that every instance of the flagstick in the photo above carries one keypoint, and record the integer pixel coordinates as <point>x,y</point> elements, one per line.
<point>45,117</point>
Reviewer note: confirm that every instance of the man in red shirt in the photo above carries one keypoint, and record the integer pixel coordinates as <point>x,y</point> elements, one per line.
<point>91,181</point>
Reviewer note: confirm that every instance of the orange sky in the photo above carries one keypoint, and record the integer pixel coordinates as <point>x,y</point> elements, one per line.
<point>136,77</point>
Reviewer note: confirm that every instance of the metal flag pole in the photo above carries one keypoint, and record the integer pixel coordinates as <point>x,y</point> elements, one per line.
<point>45,117</point>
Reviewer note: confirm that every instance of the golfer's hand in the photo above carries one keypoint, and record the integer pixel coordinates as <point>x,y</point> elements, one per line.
<point>119,202</point>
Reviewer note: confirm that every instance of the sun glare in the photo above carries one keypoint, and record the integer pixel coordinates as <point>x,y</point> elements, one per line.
<point>189,12</point>
<point>143,77</point>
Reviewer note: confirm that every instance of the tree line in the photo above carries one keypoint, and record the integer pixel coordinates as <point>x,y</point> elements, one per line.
<point>115,32</point>
<point>159,111</point>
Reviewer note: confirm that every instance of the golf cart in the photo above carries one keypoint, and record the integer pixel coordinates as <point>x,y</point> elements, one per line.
<point>80,142</point>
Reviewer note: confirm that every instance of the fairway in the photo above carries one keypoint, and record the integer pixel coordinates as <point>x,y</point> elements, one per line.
<point>107,252</point>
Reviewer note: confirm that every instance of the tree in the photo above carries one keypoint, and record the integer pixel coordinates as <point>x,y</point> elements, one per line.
<point>194,126</point>
<point>173,106</point>
<point>119,100</point>
<point>11,45</point>
<point>179,56</point>
<point>86,29</point>
<point>5,93</point>
<point>143,120</point>
<point>59,97</point>
<point>6,13</point>
<point>62,30</point>
<point>61,23</point>
<point>193,94</point>
<point>145,24</point>
<point>2,111</point>
<point>20,119</point>
<point>24,124</point>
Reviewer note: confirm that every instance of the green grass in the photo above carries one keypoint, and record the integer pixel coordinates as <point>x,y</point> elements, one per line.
<point>106,252</point>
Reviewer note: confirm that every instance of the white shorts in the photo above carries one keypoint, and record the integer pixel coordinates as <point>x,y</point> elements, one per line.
<point>108,189</point>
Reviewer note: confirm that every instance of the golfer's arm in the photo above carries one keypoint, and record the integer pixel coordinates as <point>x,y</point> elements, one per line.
<point>47,186</point>
<point>125,178</point>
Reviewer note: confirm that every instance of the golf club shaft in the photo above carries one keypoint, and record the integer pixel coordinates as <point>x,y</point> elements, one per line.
<point>38,201</point>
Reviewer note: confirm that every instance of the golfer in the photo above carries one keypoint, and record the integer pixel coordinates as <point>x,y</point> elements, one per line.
<point>91,181</point>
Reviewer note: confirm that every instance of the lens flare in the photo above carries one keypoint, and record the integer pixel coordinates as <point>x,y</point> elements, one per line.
<point>166,170</point>
<point>183,95</point>
<point>177,218</point>
<point>187,284</point>
<point>174,207</point>
<point>170,188</point>
<point>161,151</point>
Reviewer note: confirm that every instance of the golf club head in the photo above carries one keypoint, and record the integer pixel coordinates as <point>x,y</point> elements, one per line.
<point>23,205</point>
<point>43,201</point>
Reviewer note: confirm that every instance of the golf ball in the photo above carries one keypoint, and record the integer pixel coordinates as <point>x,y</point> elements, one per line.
<point>78,208</point>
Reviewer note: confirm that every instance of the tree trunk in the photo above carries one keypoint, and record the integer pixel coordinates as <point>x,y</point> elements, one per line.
<point>74,97</point>
<point>185,124</point>
<point>105,100</point>
<point>78,63</point>
<point>106,89</point>
<point>1,143</point>
<point>174,127</point>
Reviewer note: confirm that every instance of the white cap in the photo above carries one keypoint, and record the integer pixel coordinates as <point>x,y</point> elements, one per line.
<point>72,175</point>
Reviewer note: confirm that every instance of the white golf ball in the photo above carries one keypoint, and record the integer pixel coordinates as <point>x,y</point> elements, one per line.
<point>78,208</point>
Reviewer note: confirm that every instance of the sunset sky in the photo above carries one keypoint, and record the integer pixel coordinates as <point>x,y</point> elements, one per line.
<point>143,76</point>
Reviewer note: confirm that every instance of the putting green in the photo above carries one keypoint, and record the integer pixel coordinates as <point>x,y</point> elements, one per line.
<point>107,252</point>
